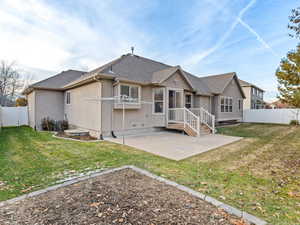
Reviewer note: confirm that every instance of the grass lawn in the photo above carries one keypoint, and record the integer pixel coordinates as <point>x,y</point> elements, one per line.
<point>259,174</point>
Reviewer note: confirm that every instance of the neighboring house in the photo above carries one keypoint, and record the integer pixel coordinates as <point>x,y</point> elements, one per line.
<point>254,96</point>
<point>278,105</point>
<point>178,99</point>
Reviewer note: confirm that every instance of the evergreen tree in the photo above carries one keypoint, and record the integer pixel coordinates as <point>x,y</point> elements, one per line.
<point>294,24</point>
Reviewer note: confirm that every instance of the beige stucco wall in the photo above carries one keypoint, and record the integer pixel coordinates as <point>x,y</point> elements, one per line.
<point>135,119</point>
<point>247,101</point>
<point>202,101</point>
<point>141,117</point>
<point>138,118</point>
<point>48,104</point>
<point>233,91</point>
<point>84,111</point>
<point>31,109</point>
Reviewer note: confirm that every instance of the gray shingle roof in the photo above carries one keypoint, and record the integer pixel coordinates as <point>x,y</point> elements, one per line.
<point>138,69</point>
<point>217,83</point>
<point>247,84</point>
<point>161,75</point>
<point>59,80</point>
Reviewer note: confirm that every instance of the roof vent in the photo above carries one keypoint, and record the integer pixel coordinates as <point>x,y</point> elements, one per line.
<point>132,50</point>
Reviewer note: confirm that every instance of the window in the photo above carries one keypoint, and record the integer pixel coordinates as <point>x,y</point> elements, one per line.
<point>240,105</point>
<point>226,104</point>
<point>68,98</point>
<point>130,92</point>
<point>253,105</point>
<point>188,101</point>
<point>158,99</point>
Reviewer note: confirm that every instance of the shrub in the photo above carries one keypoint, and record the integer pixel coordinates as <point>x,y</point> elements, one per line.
<point>54,125</point>
<point>48,124</point>
<point>65,125</point>
<point>294,122</point>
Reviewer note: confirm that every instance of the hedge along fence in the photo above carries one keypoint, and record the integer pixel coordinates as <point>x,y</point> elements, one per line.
<point>280,116</point>
<point>13,116</point>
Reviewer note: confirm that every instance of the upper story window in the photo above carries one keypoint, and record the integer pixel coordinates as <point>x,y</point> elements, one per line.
<point>261,93</point>
<point>129,93</point>
<point>226,104</point>
<point>188,101</point>
<point>158,100</point>
<point>253,91</point>
<point>68,98</point>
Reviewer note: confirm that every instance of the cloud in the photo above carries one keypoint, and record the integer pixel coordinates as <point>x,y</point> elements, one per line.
<point>42,37</point>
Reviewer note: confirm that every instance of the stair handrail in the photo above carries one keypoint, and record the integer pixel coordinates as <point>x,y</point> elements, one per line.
<point>210,122</point>
<point>194,126</point>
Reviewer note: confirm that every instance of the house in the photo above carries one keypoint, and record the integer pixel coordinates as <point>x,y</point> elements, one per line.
<point>254,96</point>
<point>278,105</point>
<point>154,96</point>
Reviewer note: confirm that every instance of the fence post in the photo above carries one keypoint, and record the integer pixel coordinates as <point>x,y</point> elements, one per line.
<point>184,119</point>
<point>213,124</point>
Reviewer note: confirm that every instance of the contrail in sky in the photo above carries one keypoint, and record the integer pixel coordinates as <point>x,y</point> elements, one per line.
<point>258,37</point>
<point>198,57</point>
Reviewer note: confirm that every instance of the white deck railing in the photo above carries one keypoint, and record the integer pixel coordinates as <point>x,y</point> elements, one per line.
<point>205,117</point>
<point>185,116</point>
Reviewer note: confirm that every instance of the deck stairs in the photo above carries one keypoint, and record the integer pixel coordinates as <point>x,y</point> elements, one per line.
<point>194,122</point>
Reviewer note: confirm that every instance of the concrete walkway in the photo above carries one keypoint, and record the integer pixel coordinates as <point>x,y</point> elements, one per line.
<point>175,146</point>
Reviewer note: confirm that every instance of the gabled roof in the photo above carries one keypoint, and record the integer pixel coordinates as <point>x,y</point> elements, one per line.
<point>136,69</point>
<point>56,82</point>
<point>247,84</point>
<point>218,83</point>
<point>162,75</point>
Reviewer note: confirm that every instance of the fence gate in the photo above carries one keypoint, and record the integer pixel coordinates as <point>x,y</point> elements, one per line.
<point>13,116</point>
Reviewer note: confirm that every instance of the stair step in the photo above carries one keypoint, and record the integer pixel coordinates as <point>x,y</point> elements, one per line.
<point>190,131</point>
<point>204,130</point>
<point>176,126</point>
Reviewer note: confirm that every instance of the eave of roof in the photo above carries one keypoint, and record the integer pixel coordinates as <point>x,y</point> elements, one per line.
<point>247,84</point>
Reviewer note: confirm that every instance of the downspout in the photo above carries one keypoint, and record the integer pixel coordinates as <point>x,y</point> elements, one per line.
<point>95,78</point>
<point>112,110</point>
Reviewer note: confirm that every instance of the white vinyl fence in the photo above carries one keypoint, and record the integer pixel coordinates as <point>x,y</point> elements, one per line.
<point>13,116</point>
<point>281,116</point>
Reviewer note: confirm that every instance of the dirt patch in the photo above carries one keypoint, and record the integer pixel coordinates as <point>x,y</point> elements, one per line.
<point>77,137</point>
<point>123,197</point>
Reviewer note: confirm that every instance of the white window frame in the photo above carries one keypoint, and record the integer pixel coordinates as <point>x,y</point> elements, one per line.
<point>153,100</point>
<point>130,86</point>
<point>226,104</point>
<point>68,93</point>
<point>191,99</point>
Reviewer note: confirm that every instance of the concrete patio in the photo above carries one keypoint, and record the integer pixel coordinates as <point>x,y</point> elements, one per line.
<point>173,145</point>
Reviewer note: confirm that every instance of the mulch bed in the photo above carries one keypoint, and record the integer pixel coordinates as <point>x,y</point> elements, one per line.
<point>122,197</point>
<point>82,138</point>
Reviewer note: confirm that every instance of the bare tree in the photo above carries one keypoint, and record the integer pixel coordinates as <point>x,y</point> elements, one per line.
<point>10,82</point>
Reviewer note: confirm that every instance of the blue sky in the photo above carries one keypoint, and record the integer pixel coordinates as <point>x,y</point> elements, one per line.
<point>203,36</point>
